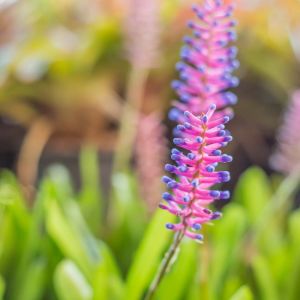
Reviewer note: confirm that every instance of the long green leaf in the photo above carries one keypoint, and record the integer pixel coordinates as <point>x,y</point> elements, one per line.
<point>253,191</point>
<point>243,293</point>
<point>34,281</point>
<point>227,237</point>
<point>292,287</point>
<point>90,195</point>
<point>147,258</point>
<point>70,283</point>
<point>180,277</point>
<point>264,279</point>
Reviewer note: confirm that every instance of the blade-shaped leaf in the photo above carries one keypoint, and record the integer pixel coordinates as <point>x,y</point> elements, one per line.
<point>243,293</point>
<point>264,279</point>
<point>70,283</point>
<point>90,195</point>
<point>147,258</point>
<point>180,277</point>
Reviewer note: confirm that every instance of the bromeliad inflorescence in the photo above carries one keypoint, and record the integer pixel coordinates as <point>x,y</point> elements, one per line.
<point>207,63</point>
<point>202,111</point>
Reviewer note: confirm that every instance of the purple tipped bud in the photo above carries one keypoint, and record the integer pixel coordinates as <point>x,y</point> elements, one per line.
<point>216,215</point>
<point>178,141</point>
<point>226,119</point>
<point>172,184</point>
<point>225,195</point>
<point>204,119</point>
<point>186,198</point>
<point>180,128</point>
<point>185,98</point>
<point>175,84</point>
<point>175,157</point>
<point>226,158</point>
<point>188,40</point>
<point>170,168</point>
<point>183,168</point>
<point>199,139</point>
<point>212,107</point>
<point>191,24</point>
<point>221,133</point>
<point>191,156</point>
<point>167,197</point>
<point>170,226</point>
<point>210,168</point>
<point>197,226</point>
<point>230,98</point>
<point>199,237</point>
<point>166,179</point>
<point>207,211</point>
<point>228,138</point>
<point>195,183</point>
<point>174,114</point>
<point>180,66</point>
<point>216,152</point>
<point>175,151</point>
<point>187,125</point>
<point>214,194</point>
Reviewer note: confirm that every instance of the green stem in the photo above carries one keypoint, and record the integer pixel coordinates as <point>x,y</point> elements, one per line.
<point>165,264</point>
<point>129,122</point>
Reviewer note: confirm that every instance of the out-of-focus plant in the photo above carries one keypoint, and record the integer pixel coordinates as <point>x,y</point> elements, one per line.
<point>142,41</point>
<point>286,159</point>
<point>151,151</point>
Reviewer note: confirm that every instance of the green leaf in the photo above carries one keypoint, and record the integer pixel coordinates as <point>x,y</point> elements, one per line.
<point>292,288</point>
<point>178,280</point>
<point>107,277</point>
<point>2,288</point>
<point>34,281</point>
<point>227,241</point>
<point>253,191</point>
<point>66,226</point>
<point>90,195</point>
<point>243,293</point>
<point>148,256</point>
<point>124,207</point>
<point>68,229</point>
<point>264,279</point>
<point>70,283</point>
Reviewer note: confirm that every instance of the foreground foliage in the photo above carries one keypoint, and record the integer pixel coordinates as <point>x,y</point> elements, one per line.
<point>67,248</point>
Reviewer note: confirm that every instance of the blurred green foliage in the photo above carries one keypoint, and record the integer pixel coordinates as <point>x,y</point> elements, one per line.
<point>57,250</point>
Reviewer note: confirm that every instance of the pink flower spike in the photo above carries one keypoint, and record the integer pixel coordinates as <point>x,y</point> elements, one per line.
<point>207,62</point>
<point>196,174</point>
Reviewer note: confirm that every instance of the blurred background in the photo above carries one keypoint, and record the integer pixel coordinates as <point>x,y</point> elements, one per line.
<point>66,70</point>
<point>84,97</point>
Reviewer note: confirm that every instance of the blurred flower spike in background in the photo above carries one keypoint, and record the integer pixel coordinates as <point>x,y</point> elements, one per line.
<point>286,159</point>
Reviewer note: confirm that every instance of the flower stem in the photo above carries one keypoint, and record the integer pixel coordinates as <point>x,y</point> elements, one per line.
<point>128,126</point>
<point>165,264</point>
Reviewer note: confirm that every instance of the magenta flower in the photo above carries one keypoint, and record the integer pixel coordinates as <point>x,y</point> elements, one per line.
<point>201,111</point>
<point>195,170</point>
<point>286,159</point>
<point>207,63</point>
